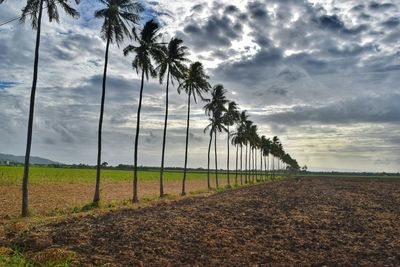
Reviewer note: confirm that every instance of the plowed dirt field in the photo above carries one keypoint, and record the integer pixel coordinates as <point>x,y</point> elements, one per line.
<point>310,221</point>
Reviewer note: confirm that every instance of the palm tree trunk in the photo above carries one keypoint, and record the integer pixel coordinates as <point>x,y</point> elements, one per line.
<point>264,170</point>
<point>208,162</point>
<point>251,164</point>
<point>25,210</point>
<point>135,175</point>
<point>255,163</point>
<point>241,165</point>
<point>186,147</point>
<point>245,167</point>
<point>227,163</point>
<point>261,167</point>
<point>164,138</point>
<point>236,173</point>
<point>96,197</point>
<point>273,167</point>
<point>216,159</point>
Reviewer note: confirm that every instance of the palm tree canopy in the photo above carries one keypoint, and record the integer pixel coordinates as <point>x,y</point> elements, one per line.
<point>265,145</point>
<point>33,6</point>
<point>172,58</point>
<point>239,137</point>
<point>148,48</point>
<point>195,81</point>
<point>253,136</point>
<point>243,117</point>
<point>216,123</point>
<point>232,114</point>
<point>217,102</point>
<point>118,15</point>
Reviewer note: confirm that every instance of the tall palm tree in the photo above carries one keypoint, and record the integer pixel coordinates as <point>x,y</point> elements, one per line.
<point>237,141</point>
<point>147,49</point>
<point>241,130</point>
<point>208,153</point>
<point>118,16</point>
<point>230,117</point>
<point>252,136</point>
<point>194,83</point>
<point>216,125</point>
<point>247,134</point>
<point>265,147</point>
<point>171,63</point>
<point>274,152</point>
<point>215,109</point>
<point>267,152</point>
<point>34,10</point>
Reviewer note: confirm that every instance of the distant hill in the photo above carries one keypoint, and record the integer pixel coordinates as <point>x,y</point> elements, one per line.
<point>21,159</point>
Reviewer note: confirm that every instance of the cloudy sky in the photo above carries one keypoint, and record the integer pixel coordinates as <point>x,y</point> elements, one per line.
<point>322,75</point>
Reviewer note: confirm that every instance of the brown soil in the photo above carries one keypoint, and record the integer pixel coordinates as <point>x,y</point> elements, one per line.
<point>46,199</point>
<point>313,221</point>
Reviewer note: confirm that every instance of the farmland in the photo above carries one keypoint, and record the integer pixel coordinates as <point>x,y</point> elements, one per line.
<point>10,175</point>
<point>64,190</point>
<point>306,221</point>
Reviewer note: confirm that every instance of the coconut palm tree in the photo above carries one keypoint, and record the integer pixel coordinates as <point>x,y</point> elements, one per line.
<point>253,144</point>
<point>247,139</point>
<point>261,148</point>
<point>216,125</point>
<point>274,152</point>
<point>215,109</point>
<point>118,16</point>
<point>171,63</point>
<point>265,148</point>
<point>241,130</point>
<point>194,83</point>
<point>34,10</point>
<point>237,141</point>
<point>147,49</point>
<point>230,117</point>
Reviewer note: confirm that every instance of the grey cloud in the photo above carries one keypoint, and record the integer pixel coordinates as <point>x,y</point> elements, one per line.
<point>218,31</point>
<point>230,9</point>
<point>257,10</point>
<point>392,22</point>
<point>382,109</point>
<point>360,7</point>
<point>380,6</point>
<point>334,23</point>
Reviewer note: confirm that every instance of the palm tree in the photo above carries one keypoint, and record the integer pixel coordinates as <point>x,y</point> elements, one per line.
<point>274,152</point>
<point>147,49</point>
<point>171,63</point>
<point>241,130</point>
<point>216,125</point>
<point>215,108</point>
<point>230,117</point>
<point>194,83</point>
<point>118,15</point>
<point>247,139</point>
<point>237,141</point>
<point>265,148</point>
<point>252,137</point>
<point>34,9</point>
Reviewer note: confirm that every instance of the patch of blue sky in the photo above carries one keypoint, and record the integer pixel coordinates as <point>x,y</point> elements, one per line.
<point>87,9</point>
<point>6,85</point>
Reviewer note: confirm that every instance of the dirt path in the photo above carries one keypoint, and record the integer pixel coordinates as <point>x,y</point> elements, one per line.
<point>309,222</point>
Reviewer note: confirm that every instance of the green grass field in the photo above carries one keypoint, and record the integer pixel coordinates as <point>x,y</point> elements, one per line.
<point>10,175</point>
